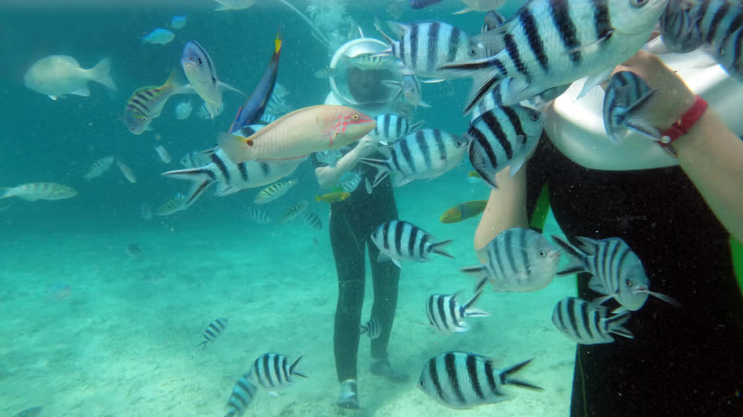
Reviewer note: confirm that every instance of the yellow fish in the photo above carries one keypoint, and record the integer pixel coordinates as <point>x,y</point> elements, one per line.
<point>463,211</point>
<point>333,197</point>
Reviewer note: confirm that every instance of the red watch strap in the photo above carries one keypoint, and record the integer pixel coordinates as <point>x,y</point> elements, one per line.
<point>681,126</point>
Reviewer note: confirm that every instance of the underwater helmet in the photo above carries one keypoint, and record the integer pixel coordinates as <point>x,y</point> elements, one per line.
<point>357,87</point>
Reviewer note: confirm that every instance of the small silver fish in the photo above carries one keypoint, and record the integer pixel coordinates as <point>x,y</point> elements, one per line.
<point>446,314</point>
<point>127,171</point>
<point>274,191</point>
<point>213,331</point>
<point>202,74</point>
<point>59,75</point>
<point>183,110</point>
<point>372,328</point>
<point>175,204</point>
<point>162,153</point>
<point>273,372</point>
<point>399,240</point>
<point>293,211</point>
<point>178,22</point>
<point>409,89</point>
<point>311,219</point>
<point>259,216</point>
<point>586,323</point>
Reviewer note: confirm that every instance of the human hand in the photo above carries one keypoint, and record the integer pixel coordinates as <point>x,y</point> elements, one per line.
<point>365,147</point>
<point>672,98</point>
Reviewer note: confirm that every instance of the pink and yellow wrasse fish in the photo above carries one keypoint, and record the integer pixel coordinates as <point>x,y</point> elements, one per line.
<point>300,133</point>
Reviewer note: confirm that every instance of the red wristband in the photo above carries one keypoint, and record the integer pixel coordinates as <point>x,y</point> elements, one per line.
<point>682,126</point>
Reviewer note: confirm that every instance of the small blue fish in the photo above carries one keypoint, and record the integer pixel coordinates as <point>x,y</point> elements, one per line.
<point>159,37</point>
<point>177,22</point>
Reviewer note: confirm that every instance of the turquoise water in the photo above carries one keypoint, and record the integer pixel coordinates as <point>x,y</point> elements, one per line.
<point>91,329</point>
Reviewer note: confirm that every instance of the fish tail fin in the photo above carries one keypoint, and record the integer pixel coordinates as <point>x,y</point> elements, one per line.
<point>294,365</point>
<point>382,166</point>
<point>236,148</point>
<point>637,121</point>
<point>576,257</point>
<point>616,325</point>
<point>378,26</point>
<point>468,309</point>
<point>101,74</point>
<point>203,345</point>
<point>485,76</point>
<point>519,383</point>
<point>201,177</point>
<point>278,42</point>
<point>438,248</point>
<point>481,162</point>
<point>417,125</point>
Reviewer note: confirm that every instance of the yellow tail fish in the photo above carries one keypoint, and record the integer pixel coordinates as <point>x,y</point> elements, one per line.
<point>463,211</point>
<point>333,197</point>
<point>300,133</point>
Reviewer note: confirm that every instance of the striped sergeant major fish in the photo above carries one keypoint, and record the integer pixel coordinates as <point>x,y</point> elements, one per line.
<point>427,153</point>
<point>174,205</point>
<point>391,127</point>
<point>213,331</point>
<point>242,395</point>
<point>349,181</point>
<point>312,220</point>
<point>99,167</point>
<point>679,30</point>
<point>626,102</point>
<point>274,191</point>
<point>617,271</point>
<point>231,177</point>
<point>446,314</point>
<point>38,191</point>
<point>399,240</point>
<point>501,137</point>
<point>252,110</point>
<point>259,216</point>
<point>147,103</point>
<point>550,43</point>
<point>273,372</point>
<point>426,46</point>
<point>294,211</point>
<point>494,98</point>
<point>689,24</point>
<point>518,260</point>
<point>586,323</point>
<point>371,328</point>
<point>463,380</point>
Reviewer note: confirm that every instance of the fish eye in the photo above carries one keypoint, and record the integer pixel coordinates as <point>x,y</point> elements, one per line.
<point>542,253</point>
<point>629,283</point>
<point>638,3</point>
<point>472,52</point>
<point>198,60</point>
<point>355,117</point>
<point>535,116</point>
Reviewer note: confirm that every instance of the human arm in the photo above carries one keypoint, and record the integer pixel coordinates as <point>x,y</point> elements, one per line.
<point>709,153</point>
<point>506,208</point>
<point>328,176</point>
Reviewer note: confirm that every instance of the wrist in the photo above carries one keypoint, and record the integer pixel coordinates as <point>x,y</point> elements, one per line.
<point>684,125</point>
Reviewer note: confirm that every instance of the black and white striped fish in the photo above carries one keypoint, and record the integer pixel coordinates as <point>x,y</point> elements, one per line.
<point>617,271</point>
<point>501,137</point>
<point>273,372</point>
<point>447,316</point>
<point>391,127</point>
<point>349,181</point>
<point>242,395</point>
<point>425,46</point>
<point>174,205</point>
<point>274,191</point>
<point>259,216</point>
<point>329,157</point>
<point>462,380</point>
<point>427,153</point>
<point>402,241</point>
<point>293,211</point>
<point>409,88</point>
<point>312,220</point>
<point>586,323</point>
<point>372,328</point>
<point>679,30</point>
<point>494,98</point>
<point>518,260</point>
<point>230,177</point>
<point>626,103</point>
<point>213,331</point>
<point>550,43</point>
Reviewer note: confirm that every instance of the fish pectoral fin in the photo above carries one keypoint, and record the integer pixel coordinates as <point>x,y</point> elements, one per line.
<point>591,46</point>
<point>517,163</point>
<point>229,87</point>
<point>593,81</point>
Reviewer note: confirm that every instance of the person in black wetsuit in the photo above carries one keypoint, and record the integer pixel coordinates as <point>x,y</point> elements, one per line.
<point>352,222</point>
<point>684,361</point>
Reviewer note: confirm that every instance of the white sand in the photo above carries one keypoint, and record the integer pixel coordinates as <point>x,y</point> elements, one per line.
<point>123,344</point>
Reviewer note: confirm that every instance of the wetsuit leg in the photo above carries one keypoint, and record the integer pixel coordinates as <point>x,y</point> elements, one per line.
<point>385,275</point>
<point>348,251</point>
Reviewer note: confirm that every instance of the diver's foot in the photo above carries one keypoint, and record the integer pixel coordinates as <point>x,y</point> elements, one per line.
<point>382,367</point>
<point>348,398</point>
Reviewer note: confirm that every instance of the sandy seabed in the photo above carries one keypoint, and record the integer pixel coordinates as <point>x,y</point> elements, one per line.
<point>123,341</point>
